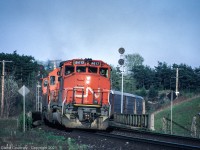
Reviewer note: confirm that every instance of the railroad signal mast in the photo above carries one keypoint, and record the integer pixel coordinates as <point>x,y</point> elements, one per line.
<point>2,86</point>
<point>121,63</point>
<point>38,104</point>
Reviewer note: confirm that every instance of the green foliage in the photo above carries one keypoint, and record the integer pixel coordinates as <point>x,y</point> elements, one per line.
<point>132,60</point>
<point>35,138</point>
<point>8,127</point>
<point>115,79</point>
<point>143,75</point>
<point>152,94</point>
<point>162,77</point>
<point>24,68</point>
<point>142,92</point>
<point>28,122</point>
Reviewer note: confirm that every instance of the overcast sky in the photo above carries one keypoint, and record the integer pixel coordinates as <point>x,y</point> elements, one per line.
<point>159,30</point>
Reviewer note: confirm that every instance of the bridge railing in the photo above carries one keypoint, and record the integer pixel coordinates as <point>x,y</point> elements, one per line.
<point>132,120</point>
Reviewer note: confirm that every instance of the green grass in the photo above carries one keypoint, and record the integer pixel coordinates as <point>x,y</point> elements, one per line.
<point>182,114</point>
<point>35,138</point>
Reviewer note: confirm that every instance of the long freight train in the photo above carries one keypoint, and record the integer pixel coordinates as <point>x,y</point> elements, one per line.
<point>78,95</point>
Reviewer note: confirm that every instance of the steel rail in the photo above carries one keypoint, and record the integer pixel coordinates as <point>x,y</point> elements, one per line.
<point>150,141</point>
<point>143,132</point>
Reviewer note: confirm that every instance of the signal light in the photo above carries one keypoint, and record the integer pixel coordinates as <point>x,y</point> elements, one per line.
<point>121,50</point>
<point>121,61</point>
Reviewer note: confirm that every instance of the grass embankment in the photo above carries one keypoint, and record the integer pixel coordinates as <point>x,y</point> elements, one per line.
<point>183,114</point>
<point>12,138</point>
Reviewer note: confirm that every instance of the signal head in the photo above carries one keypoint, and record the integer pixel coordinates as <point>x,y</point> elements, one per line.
<point>121,50</point>
<point>121,61</point>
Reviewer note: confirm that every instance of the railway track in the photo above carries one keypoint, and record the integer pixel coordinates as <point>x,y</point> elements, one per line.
<point>126,139</point>
<point>152,142</point>
<point>157,136</point>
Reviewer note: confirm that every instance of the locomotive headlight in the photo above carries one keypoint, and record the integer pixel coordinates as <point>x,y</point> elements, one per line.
<point>88,80</point>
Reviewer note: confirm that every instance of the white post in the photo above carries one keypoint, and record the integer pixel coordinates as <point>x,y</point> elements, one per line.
<point>171,108</point>
<point>24,108</point>
<point>122,95</point>
<point>2,89</point>
<point>38,102</point>
<point>121,63</point>
<point>143,107</point>
<point>23,91</point>
<point>38,97</point>
<point>177,92</point>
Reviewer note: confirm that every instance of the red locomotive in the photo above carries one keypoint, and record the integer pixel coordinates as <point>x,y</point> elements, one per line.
<point>50,87</point>
<point>78,94</point>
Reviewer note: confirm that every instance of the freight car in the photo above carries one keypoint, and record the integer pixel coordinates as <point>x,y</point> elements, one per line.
<point>132,104</point>
<point>82,100</point>
<point>133,110</point>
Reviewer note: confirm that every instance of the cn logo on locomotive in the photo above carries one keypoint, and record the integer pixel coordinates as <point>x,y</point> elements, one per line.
<point>88,89</point>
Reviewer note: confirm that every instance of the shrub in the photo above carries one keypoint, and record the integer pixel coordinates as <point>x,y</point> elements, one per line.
<point>28,122</point>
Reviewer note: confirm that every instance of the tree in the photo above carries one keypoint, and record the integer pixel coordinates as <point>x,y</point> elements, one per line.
<point>132,60</point>
<point>153,94</point>
<point>163,76</point>
<point>11,92</point>
<point>143,75</point>
<point>22,71</point>
<point>24,68</point>
<point>115,78</point>
<point>187,78</point>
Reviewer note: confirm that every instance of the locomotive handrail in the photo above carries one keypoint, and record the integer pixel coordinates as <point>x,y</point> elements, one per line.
<point>63,103</point>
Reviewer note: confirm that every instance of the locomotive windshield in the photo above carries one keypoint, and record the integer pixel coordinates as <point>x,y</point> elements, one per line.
<point>52,80</point>
<point>45,83</point>
<point>69,70</point>
<point>80,69</point>
<point>103,72</point>
<point>92,69</point>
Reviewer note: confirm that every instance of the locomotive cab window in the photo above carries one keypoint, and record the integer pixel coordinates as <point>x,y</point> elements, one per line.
<point>92,69</point>
<point>52,80</point>
<point>103,72</point>
<point>45,83</point>
<point>80,69</point>
<point>69,70</point>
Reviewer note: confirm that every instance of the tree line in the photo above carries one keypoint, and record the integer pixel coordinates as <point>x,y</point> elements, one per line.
<point>146,81</point>
<point>23,70</point>
<point>139,79</point>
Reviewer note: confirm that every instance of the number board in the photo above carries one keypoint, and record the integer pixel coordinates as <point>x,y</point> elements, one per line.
<point>79,62</point>
<point>95,63</point>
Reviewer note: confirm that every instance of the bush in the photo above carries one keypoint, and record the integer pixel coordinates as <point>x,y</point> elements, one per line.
<point>28,122</point>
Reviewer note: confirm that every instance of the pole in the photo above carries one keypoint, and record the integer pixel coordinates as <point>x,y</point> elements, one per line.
<point>2,87</point>
<point>171,108</point>
<point>122,95</point>
<point>121,62</point>
<point>36,98</point>
<point>177,82</point>
<point>38,102</point>
<point>24,107</point>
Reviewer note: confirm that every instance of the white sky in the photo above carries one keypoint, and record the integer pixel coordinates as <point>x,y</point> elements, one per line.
<point>159,30</point>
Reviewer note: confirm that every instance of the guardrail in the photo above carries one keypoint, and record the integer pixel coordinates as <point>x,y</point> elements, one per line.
<point>132,120</point>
